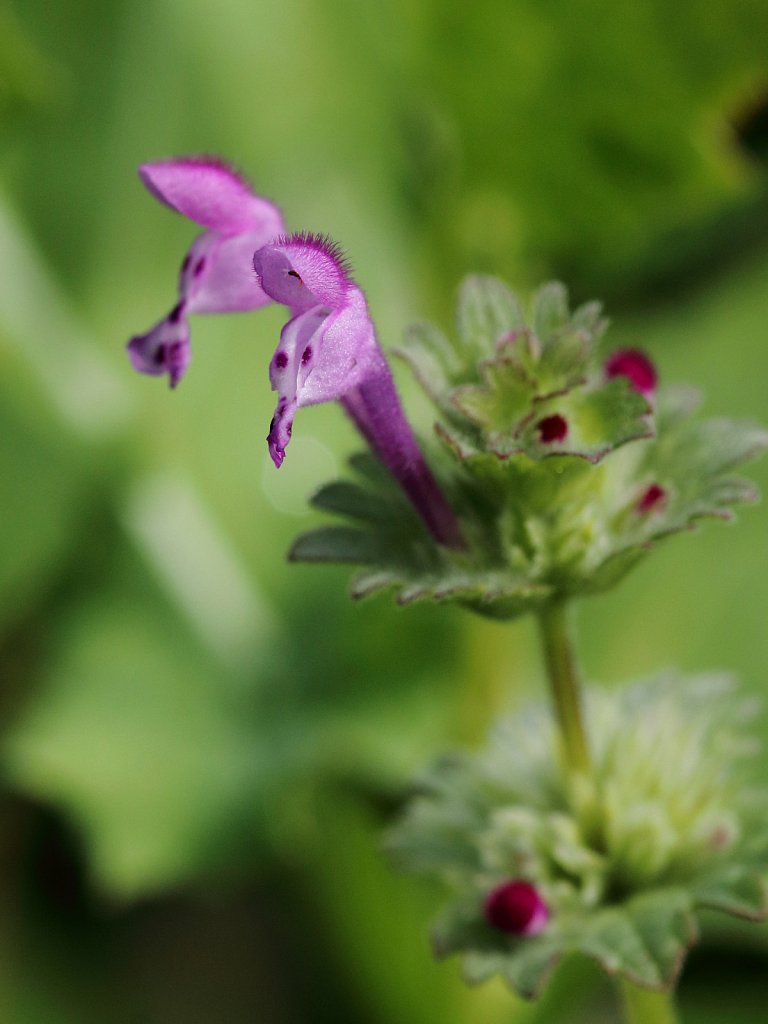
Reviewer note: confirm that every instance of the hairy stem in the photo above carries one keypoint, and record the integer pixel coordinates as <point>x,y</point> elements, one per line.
<point>644,1007</point>
<point>565,689</point>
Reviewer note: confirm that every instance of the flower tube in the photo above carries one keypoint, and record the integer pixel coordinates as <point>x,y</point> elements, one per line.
<point>329,351</point>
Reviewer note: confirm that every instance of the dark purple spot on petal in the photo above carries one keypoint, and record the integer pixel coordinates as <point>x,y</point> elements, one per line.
<point>552,428</point>
<point>185,264</point>
<point>175,361</point>
<point>516,908</point>
<point>281,360</point>
<point>158,357</point>
<point>652,497</point>
<point>199,267</point>
<point>306,355</point>
<point>175,315</point>
<point>271,425</point>
<point>636,366</point>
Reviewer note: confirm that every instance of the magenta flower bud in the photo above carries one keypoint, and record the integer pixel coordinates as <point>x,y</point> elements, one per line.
<point>516,908</point>
<point>329,351</point>
<point>552,428</point>
<point>653,497</point>
<point>216,275</point>
<point>636,366</point>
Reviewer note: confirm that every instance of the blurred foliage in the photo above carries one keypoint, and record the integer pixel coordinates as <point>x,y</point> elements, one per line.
<point>200,742</point>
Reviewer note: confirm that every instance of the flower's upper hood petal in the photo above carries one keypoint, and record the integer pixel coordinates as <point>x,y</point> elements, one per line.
<point>211,194</point>
<point>302,271</point>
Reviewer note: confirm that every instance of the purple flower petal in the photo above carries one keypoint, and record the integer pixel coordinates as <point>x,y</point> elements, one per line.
<point>211,194</point>
<point>289,370</point>
<point>329,346</point>
<point>217,273</point>
<point>164,349</point>
<point>303,270</point>
<point>322,355</point>
<point>329,351</point>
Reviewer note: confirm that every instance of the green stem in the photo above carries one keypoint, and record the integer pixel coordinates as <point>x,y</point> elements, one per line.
<point>564,685</point>
<point>644,1007</point>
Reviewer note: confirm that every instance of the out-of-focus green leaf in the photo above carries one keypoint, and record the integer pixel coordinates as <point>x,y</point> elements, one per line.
<point>27,78</point>
<point>133,737</point>
<point>43,486</point>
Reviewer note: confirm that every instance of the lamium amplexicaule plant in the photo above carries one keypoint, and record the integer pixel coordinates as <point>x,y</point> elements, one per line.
<point>592,823</point>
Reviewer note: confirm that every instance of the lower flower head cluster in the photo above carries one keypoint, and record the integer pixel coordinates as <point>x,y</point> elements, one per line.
<point>675,827</point>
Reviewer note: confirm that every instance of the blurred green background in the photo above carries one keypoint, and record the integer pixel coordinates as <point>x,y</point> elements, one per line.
<point>200,743</point>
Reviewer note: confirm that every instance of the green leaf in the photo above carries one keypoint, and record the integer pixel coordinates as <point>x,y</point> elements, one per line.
<point>689,461</point>
<point>645,939</point>
<point>599,420</point>
<point>137,739</point>
<point>508,811</point>
<point>735,890</point>
<point>337,544</point>
<point>487,311</point>
<point>529,967</point>
<point>432,358</point>
<point>629,470</point>
<point>550,310</point>
<point>665,922</point>
<point>525,963</point>
<point>611,938</point>
<point>348,499</point>
<point>564,362</point>
<point>501,404</point>
<point>461,927</point>
<point>589,318</point>
<point>41,473</point>
<point>369,582</point>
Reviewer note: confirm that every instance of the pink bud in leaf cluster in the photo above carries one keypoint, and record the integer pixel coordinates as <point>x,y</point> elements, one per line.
<point>636,366</point>
<point>652,499</point>
<point>516,907</point>
<point>552,428</point>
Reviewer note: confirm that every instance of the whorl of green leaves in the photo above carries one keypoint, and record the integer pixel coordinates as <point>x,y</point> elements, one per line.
<point>543,519</point>
<point>677,828</point>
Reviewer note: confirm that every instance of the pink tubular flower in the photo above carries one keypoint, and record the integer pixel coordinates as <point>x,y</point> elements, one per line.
<point>217,274</point>
<point>329,351</point>
<point>516,908</point>
<point>636,366</point>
